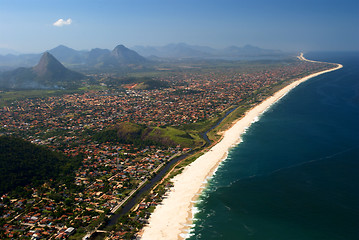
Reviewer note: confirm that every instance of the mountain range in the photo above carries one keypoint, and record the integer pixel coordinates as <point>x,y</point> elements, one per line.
<point>51,73</point>
<point>121,56</point>
<point>183,50</point>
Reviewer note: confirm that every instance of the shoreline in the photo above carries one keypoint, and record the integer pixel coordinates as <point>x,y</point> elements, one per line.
<point>172,219</point>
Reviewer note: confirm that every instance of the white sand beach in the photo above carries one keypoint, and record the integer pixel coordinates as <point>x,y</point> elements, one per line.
<point>172,218</point>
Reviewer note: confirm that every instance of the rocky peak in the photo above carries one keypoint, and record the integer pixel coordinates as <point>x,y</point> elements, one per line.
<point>48,63</point>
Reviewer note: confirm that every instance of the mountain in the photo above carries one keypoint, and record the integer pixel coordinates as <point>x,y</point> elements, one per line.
<point>97,56</point>
<point>119,56</point>
<point>179,50</point>
<point>49,69</point>
<point>248,51</point>
<point>23,60</point>
<point>123,55</point>
<point>68,55</point>
<point>148,51</point>
<point>182,50</point>
<point>48,73</point>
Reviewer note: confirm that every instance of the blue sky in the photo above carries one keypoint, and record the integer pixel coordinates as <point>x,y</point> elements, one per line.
<point>28,25</point>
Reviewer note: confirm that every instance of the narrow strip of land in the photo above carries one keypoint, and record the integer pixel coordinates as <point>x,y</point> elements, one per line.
<point>171,219</point>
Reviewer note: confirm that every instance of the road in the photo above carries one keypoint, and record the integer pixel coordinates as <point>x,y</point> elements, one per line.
<point>128,196</point>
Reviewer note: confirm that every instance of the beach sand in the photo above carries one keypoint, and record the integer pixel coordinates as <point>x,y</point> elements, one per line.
<point>171,219</point>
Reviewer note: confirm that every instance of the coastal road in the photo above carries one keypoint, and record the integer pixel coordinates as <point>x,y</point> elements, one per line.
<point>141,184</point>
<point>129,196</point>
<point>136,197</point>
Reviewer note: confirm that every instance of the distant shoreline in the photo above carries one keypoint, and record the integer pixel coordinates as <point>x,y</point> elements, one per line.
<point>173,218</point>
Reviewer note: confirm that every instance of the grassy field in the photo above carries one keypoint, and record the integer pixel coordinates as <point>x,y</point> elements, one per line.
<point>181,137</point>
<point>7,97</point>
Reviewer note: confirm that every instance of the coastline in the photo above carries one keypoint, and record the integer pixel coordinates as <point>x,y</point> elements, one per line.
<point>173,218</point>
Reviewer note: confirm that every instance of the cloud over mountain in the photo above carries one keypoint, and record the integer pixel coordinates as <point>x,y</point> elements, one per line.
<point>61,22</point>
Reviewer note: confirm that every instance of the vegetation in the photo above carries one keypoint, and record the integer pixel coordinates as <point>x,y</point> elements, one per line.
<point>135,83</point>
<point>85,128</point>
<point>131,133</point>
<point>23,162</point>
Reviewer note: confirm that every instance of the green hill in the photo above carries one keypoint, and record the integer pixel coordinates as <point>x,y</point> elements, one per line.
<point>136,83</point>
<point>131,133</point>
<point>23,163</point>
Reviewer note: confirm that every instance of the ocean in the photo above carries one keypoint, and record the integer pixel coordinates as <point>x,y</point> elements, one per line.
<point>295,175</point>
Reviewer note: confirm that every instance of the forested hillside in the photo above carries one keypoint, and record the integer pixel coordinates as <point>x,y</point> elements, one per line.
<point>22,163</point>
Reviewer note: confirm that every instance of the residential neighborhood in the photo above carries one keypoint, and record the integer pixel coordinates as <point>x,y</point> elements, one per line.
<point>111,172</point>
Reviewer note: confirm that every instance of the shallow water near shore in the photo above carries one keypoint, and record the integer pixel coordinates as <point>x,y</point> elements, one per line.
<point>295,174</point>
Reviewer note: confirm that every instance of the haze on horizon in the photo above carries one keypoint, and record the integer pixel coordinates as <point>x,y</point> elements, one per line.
<point>37,25</point>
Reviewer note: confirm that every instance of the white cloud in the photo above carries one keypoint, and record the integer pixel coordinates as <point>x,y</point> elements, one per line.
<point>61,22</point>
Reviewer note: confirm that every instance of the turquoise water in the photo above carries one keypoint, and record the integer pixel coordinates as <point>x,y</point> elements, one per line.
<point>296,174</point>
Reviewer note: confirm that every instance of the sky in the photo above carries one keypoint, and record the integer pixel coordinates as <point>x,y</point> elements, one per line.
<point>33,26</point>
